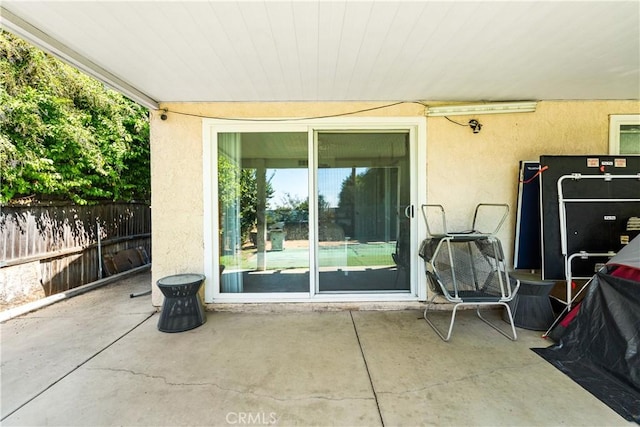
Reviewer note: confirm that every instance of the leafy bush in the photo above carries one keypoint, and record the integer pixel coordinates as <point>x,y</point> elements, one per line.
<point>65,136</point>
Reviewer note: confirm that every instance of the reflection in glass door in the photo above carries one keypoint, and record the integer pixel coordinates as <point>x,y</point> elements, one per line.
<point>263,212</point>
<point>363,205</point>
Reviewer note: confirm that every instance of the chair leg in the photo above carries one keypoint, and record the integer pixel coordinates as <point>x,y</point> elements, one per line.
<point>513,328</point>
<point>434,327</point>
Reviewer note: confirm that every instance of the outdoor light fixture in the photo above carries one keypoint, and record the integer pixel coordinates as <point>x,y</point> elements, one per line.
<point>475,125</point>
<point>493,108</point>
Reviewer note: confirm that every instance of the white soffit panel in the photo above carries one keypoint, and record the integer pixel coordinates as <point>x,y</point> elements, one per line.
<point>350,51</point>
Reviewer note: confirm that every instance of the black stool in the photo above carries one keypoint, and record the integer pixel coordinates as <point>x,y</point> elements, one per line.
<point>182,309</point>
<point>531,307</point>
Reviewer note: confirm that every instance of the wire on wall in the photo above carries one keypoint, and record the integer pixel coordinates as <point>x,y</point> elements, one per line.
<point>453,121</point>
<point>279,119</point>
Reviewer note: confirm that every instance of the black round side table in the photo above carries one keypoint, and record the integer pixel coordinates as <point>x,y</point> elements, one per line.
<point>182,309</point>
<point>531,307</point>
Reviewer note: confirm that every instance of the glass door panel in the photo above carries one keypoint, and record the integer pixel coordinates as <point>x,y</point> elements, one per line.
<point>363,233</point>
<point>263,212</point>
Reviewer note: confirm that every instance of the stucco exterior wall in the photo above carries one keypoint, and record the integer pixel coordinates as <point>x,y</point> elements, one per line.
<point>176,198</point>
<point>463,168</point>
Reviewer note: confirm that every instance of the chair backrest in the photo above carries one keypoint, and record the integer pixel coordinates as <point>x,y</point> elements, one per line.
<point>435,219</point>
<point>488,218</point>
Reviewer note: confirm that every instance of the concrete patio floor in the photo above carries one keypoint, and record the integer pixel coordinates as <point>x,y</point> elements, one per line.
<point>99,360</point>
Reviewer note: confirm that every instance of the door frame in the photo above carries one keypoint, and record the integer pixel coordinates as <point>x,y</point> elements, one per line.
<point>415,126</point>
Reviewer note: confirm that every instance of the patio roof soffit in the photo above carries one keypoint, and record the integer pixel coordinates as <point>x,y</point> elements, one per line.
<point>23,29</point>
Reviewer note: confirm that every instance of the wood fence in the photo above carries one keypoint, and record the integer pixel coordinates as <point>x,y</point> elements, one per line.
<point>65,240</point>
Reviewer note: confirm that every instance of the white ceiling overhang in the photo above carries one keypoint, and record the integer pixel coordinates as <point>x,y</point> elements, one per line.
<point>203,51</point>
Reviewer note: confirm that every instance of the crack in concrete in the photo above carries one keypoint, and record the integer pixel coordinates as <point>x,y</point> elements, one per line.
<point>452,381</point>
<point>231,390</point>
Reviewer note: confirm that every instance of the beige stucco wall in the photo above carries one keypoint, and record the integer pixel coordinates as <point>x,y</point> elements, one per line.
<point>463,168</point>
<point>176,198</point>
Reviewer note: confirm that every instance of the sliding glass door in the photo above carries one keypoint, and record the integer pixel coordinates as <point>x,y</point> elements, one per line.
<point>363,219</point>
<point>311,213</point>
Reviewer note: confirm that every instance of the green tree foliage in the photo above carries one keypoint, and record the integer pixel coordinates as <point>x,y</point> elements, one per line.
<point>347,200</point>
<point>249,200</point>
<point>291,209</point>
<point>238,193</point>
<point>63,135</point>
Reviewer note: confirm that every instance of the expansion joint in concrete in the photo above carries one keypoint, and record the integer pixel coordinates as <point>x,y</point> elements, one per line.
<point>366,366</point>
<point>78,366</point>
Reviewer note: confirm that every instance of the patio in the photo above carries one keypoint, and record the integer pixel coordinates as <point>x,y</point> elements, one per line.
<point>98,359</point>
